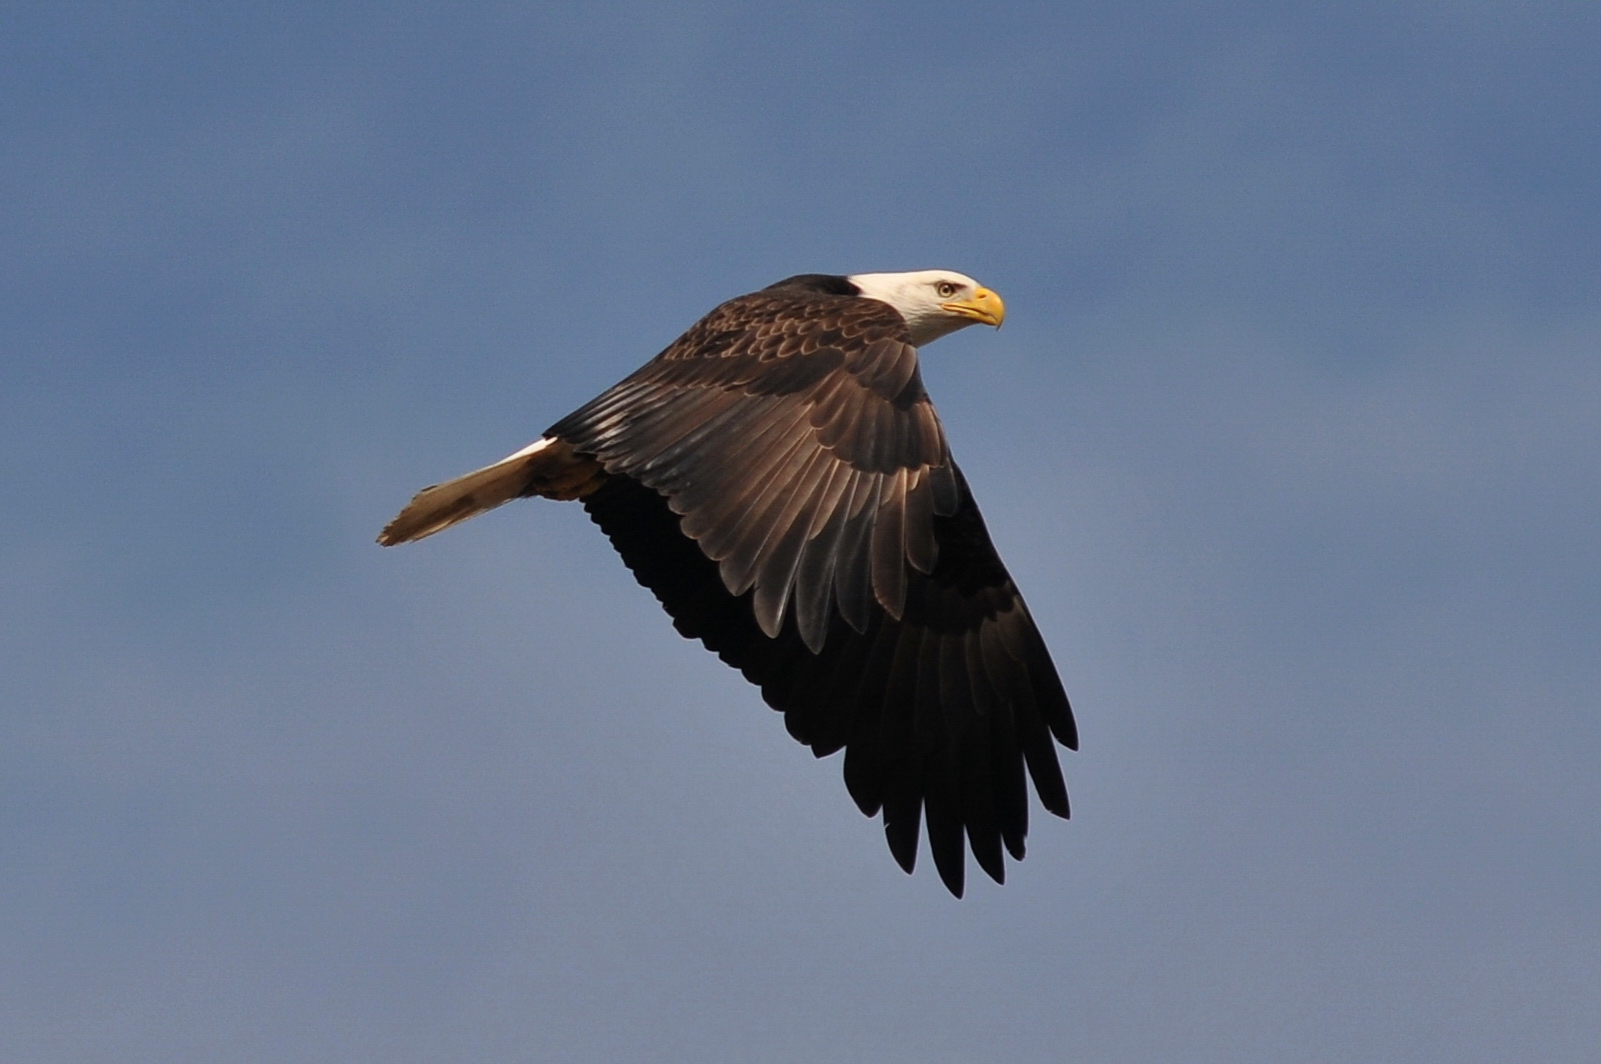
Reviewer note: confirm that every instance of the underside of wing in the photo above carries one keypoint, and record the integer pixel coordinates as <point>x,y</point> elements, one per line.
<point>938,711</point>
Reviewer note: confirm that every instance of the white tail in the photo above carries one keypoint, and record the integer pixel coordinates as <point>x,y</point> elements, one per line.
<point>547,467</point>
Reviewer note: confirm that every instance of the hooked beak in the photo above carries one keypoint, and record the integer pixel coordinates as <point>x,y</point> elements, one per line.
<point>982,306</point>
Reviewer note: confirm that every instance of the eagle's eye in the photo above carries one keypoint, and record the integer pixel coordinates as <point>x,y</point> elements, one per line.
<point>946,289</point>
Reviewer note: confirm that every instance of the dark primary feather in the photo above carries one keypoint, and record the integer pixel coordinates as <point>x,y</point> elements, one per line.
<point>938,711</point>
<point>780,481</point>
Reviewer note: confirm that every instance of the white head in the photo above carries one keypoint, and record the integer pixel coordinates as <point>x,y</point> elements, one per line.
<point>933,302</point>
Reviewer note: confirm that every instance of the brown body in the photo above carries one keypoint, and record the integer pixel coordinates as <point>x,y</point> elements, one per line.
<point>779,479</point>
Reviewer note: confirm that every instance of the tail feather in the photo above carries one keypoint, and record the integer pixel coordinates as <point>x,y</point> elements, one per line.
<point>548,467</point>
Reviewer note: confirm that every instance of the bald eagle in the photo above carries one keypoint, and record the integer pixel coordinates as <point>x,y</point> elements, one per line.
<point>779,480</point>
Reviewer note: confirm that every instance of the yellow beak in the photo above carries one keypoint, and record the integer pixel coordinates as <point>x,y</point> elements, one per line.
<point>982,306</point>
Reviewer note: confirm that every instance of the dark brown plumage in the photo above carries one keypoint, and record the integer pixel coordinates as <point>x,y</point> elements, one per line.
<point>779,479</point>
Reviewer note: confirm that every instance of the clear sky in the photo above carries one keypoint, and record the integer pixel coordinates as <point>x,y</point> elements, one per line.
<point>1290,439</point>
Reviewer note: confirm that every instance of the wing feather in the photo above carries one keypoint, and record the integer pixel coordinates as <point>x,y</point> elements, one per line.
<point>780,481</point>
<point>784,548</point>
<point>922,552</point>
<point>853,564</point>
<point>814,582</point>
<point>714,507</point>
<point>748,534</point>
<point>889,545</point>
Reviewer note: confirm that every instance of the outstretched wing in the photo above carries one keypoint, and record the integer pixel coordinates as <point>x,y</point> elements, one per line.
<point>798,446</point>
<point>780,481</point>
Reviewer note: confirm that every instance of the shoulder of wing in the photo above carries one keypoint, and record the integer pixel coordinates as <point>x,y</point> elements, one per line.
<point>773,325</point>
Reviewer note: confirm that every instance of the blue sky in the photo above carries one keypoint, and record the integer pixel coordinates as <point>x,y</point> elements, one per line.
<point>1290,439</point>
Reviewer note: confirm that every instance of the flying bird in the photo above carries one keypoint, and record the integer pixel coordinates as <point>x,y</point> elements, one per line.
<point>779,480</point>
